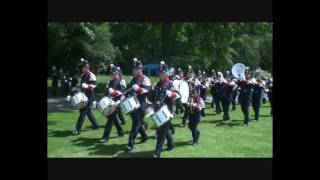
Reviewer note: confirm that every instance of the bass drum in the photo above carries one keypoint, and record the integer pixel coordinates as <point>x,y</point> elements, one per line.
<point>183,89</point>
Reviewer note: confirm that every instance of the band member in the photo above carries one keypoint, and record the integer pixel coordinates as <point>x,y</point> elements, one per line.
<point>227,88</point>
<point>88,83</point>
<point>218,92</point>
<point>269,85</point>
<point>65,83</point>
<point>203,90</point>
<point>190,79</point>
<point>211,84</point>
<point>74,80</point>
<point>164,93</point>
<point>235,94</point>
<point>164,67</point>
<point>246,84</point>
<point>122,83</point>
<point>258,88</point>
<point>114,89</point>
<point>140,85</point>
<point>195,104</point>
<point>55,78</point>
<point>179,106</point>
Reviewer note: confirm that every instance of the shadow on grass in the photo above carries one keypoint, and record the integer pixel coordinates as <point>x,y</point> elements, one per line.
<point>212,122</point>
<point>182,143</point>
<point>231,123</point>
<point>106,149</point>
<point>51,123</point>
<point>211,114</point>
<point>264,115</point>
<point>83,141</point>
<point>140,154</point>
<point>59,133</point>
<point>265,106</point>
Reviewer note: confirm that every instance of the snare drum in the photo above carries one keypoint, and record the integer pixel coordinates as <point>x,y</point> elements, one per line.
<point>79,100</point>
<point>130,104</point>
<point>162,116</point>
<point>106,106</point>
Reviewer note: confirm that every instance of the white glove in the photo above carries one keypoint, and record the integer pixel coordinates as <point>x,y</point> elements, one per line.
<point>168,93</point>
<point>135,87</point>
<point>118,102</point>
<point>122,98</point>
<point>84,85</point>
<point>110,90</point>
<point>94,104</point>
<point>68,98</point>
<point>123,83</point>
<point>194,104</point>
<point>171,115</point>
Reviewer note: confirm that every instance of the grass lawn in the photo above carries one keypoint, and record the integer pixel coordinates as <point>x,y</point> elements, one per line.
<point>217,139</point>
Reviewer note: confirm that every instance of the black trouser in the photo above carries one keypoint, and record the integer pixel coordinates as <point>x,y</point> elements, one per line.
<point>234,97</point>
<point>256,102</point>
<point>186,114</point>
<point>179,106</point>
<point>137,119</point>
<point>213,100</point>
<point>163,132</point>
<point>218,102</point>
<point>245,102</point>
<point>202,111</point>
<point>226,101</point>
<point>112,119</point>
<point>83,112</point>
<point>120,115</point>
<point>194,119</point>
<point>66,90</point>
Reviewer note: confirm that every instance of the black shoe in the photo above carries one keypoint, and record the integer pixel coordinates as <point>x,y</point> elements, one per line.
<point>129,148</point>
<point>156,156</point>
<point>103,140</point>
<point>170,148</point>
<point>122,134</point>
<point>76,132</point>
<point>145,139</point>
<point>194,144</point>
<point>95,127</point>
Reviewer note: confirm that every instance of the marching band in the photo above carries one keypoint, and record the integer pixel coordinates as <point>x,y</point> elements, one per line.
<point>139,98</point>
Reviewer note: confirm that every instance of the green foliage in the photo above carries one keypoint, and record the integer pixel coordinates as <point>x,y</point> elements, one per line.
<point>203,45</point>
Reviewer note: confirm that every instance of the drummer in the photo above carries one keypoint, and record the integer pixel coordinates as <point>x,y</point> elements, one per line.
<point>114,89</point>
<point>195,104</point>
<point>88,83</point>
<point>140,85</point>
<point>203,90</point>
<point>122,84</point>
<point>164,93</point>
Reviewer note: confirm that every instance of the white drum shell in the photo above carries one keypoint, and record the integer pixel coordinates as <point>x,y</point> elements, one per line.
<point>129,105</point>
<point>106,106</point>
<point>79,101</point>
<point>162,116</point>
